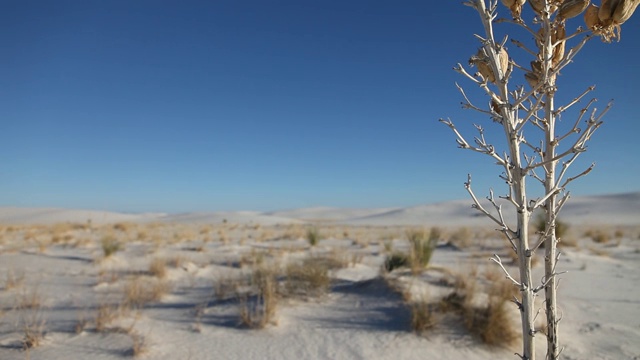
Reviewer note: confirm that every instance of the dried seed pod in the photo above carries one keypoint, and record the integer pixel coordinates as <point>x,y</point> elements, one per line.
<point>503,56</point>
<point>484,68</point>
<point>558,51</point>
<point>591,17</point>
<point>532,79</point>
<point>624,10</point>
<point>515,6</point>
<point>537,6</point>
<point>572,8</point>
<point>495,106</point>
<point>536,67</point>
<point>606,11</point>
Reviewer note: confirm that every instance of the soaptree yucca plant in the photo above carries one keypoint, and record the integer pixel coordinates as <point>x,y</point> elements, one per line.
<point>520,86</point>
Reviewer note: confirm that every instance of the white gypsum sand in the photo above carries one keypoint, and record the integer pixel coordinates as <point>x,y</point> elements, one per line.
<point>175,286</point>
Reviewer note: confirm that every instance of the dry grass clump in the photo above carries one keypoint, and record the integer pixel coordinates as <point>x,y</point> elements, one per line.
<point>422,247</point>
<point>424,316</point>
<point>110,245</point>
<point>309,278</point>
<point>313,236</point>
<point>158,267</point>
<point>106,315</point>
<point>461,238</point>
<point>140,291</point>
<point>489,321</point>
<point>139,345</point>
<point>258,307</point>
<point>33,327</point>
<point>598,236</point>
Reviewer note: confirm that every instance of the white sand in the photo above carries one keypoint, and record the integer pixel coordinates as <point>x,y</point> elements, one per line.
<point>360,318</point>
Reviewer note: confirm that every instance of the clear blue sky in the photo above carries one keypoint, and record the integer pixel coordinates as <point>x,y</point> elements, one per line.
<point>228,105</point>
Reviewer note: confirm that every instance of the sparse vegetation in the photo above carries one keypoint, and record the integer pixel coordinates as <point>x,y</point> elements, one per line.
<point>422,247</point>
<point>395,261</point>
<point>110,245</point>
<point>313,236</point>
<point>424,316</point>
<point>258,305</point>
<point>158,267</point>
<point>308,278</point>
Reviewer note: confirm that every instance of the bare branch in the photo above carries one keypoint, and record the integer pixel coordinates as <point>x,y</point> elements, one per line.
<point>496,259</point>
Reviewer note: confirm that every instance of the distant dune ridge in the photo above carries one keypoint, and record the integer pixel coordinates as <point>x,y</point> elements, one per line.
<point>618,209</point>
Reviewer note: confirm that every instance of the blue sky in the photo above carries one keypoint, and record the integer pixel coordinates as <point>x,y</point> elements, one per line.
<point>228,105</point>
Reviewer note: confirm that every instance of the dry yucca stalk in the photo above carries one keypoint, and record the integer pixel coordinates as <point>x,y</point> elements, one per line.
<point>516,110</point>
<point>572,8</point>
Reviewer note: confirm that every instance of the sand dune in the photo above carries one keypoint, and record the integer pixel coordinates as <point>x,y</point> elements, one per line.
<point>618,209</point>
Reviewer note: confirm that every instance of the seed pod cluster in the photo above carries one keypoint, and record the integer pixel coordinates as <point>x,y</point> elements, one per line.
<point>572,8</point>
<point>515,6</point>
<point>610,15</point>
<point>480,60</point>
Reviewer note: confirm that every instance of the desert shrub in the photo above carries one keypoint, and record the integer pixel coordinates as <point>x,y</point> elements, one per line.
<point>110,245</point>
<point>105,315</point>
<point>140,291</point>
<point>540,225</point>
<point>158,267</point>
<point>423,316</point>
<point>258,308</point>
<point>311,277</point>
<point>491,322</point>
<point>395,261</point>
<point>313,236</point>
<point>422,247</point>
<point>599,236</point>
<point>461,237</point>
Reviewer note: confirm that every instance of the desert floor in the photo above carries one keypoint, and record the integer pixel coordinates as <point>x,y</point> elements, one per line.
<point>300,290</point>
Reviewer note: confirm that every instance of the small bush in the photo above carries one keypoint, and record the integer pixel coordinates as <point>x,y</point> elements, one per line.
<point>110,245</point>
<point>396,261</point>
<point>158,268</point>
<point>422,247</point>
<point>599,236</point>
<point>309,278</point>
<point>540,225</point>
<point>259,309</point>
<point>138,293</point>
<point>423,316</point>
<point>313,236</point>
<point>106,314</point>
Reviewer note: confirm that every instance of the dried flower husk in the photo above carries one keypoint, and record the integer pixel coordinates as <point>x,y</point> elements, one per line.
<point>503,56</point>
<point>572,8</point>
<point>515,6</point>
<point>532,79</point>
<point>537,6</point>
<point>591,18</point>
<point>624,10</point>
<point>606,11</point>
<point>484,68</point>
<point>536,66</point>
<point>558,51</point>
